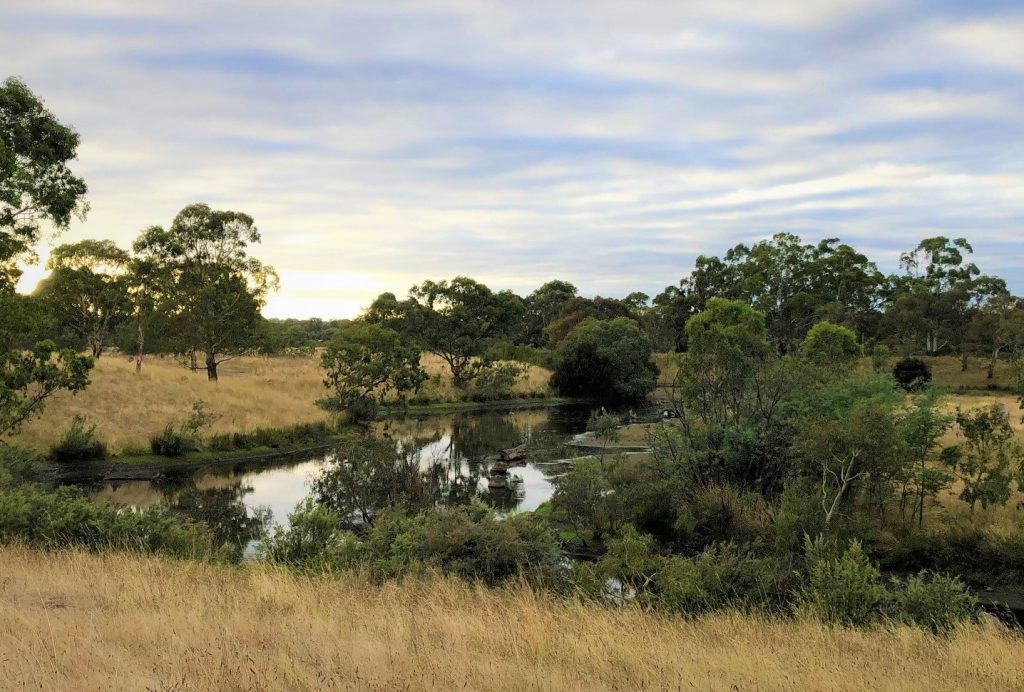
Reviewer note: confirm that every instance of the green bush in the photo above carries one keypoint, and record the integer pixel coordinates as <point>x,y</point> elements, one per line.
<point>912,374</point>
<point>79,443</point>
<point>608,360</point>
<point>495,381</point>
<point>67,518</point>
<point>312,541</point>
<point>468,541</point>
<point>362,409</point>
<point>844,589</point>
<point>173,442</point>
<point>934,602</point>
<point>722,577</point>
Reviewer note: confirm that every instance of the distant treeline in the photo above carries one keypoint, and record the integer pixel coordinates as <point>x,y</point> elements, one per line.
<point>939,303</point>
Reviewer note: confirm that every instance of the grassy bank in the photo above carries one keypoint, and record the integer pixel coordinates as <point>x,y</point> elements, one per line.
<point>71,620</point>
<point>252,393</point>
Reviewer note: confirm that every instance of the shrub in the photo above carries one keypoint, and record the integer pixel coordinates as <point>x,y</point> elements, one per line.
<point>66,518</point>
<point>607,360</point>
<point>722,577</point>
<point>912,374</point>
<point>495,381</point>
<point>843,590</point>
<point>830,345</point>
<point>468,541</point>
<point>173,442</point>
<point>363,408</point>
<point>79,443</point>
<point>934,602</point>
<point>312,541</point>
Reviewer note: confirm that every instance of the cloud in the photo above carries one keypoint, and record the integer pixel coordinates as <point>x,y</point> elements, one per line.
<point>605,143</point>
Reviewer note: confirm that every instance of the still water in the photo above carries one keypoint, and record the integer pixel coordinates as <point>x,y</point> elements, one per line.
<point>236,500</point>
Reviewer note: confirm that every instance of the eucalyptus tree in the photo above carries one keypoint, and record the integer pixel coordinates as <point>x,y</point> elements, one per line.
<point>365,361</point>
<point>87,291</point>
<point>454,319</point>
<point>36,187</point>
<point>36,184</point>
<point>205,281</point>
<point>544,305</point>
<point>934,302</point>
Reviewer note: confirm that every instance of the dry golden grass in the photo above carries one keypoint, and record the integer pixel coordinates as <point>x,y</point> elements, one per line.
<point>128,408</point>
<point>252,392</point>
<point>439,386</point>
<point>74,621</point>
<point>947,372</point>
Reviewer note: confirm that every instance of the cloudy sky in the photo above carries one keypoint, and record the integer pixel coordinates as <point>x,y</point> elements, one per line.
<point>607,143</point>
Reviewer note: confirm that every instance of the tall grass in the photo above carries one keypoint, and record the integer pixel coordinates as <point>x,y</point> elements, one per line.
<point>71,620</point>
<point>252,393</point>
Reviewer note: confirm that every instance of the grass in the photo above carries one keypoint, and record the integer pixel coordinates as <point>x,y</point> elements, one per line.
<point>252,393</point>
<point>71,620</point>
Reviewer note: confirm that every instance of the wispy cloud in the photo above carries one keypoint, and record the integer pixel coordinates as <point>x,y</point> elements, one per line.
<point>606,143</point>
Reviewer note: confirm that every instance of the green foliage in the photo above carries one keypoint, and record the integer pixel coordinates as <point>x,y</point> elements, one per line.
<point>205,283</point>
<point>369,475</point>
<point>580,499</point>
<point>455,320</point>
<point>797,516</point>
<point>312,541</point>
<point>495,381</point>
<point>912,374</point>
<point>831,346</point>
<point>184,438</point>
<point>35,183</point>
<point>845,589</point>
<point>173,442</point>
<point>467,541</point>
<point>934,602</point>
<point>29,378</point>
<point>274,438</point>
<point>66,518</point>
<point>608,360</point>
<point>990,457</point>
<point>577,310</point>
<point>79,443</point>
<point>363,362</point>
<point>87,291</point>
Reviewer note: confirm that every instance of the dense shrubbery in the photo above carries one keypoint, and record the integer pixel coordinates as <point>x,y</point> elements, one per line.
<point>607,360</point>
<point>67,518</point>
<point>273,438</point>
<point>466,541</point>
<point>79,443</point>
<point>912,374</point>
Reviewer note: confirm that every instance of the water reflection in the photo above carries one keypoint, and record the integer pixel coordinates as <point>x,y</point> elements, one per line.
<point>456,450</point>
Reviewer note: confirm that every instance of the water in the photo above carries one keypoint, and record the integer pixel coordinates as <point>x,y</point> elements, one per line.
<point>237,499</point>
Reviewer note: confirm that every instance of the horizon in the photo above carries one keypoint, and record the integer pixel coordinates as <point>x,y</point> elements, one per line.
<point>607,147</point>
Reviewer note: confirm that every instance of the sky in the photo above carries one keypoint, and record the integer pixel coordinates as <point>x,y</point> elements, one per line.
<point>378,144</point>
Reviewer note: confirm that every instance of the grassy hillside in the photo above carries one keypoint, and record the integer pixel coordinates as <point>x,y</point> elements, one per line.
<point>78,621</point>
<point>252,392</point>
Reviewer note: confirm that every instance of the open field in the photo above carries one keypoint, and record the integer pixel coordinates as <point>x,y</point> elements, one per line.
<point>252,392</point>
<point>71,620</point>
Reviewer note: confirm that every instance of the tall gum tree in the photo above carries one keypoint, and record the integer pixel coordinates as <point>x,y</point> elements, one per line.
<point>36,187</point>
<point>204,280</point>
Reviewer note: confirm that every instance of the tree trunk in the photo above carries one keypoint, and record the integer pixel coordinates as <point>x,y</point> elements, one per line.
<point>211,367</point>
<point>194,361</point>
<point>139,344</point>
<point>963,361</point>
<point>97,348</point>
